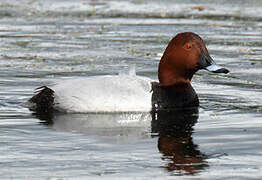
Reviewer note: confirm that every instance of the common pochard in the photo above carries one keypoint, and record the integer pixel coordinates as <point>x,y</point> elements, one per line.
<point>185,54</point>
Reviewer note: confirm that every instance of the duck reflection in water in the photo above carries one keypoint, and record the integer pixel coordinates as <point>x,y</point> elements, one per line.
<point>175,140</point>
<point>173,128</point>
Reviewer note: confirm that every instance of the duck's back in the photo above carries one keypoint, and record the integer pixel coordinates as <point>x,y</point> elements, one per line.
<point>103,94</point>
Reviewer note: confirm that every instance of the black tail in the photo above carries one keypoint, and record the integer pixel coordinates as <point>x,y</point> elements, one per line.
<point>43,101</point>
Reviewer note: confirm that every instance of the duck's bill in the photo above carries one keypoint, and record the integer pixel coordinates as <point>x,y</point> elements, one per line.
<point>216,69</point>
<point>206,62</point>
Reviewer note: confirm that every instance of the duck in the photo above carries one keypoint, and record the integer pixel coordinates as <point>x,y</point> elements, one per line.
<point>184,55</point>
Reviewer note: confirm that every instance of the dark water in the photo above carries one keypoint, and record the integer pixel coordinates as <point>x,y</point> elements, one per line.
<point>43,41</point>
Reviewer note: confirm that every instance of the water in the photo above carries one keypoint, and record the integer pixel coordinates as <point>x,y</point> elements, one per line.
<point>45,41</point>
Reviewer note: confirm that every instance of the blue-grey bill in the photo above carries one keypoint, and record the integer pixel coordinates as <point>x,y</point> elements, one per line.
<point>216,69</point>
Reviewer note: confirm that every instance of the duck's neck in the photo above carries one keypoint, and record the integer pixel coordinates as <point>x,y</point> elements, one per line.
<point>169,75</point>
<point>169,79</point>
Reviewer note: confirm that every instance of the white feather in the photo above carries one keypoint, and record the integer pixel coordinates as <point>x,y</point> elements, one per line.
<point>123,93</point>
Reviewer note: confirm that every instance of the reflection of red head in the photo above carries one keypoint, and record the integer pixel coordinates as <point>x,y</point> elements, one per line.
<point>177,150</point>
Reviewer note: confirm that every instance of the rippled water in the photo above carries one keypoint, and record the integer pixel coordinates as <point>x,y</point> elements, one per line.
<point>44,41</point>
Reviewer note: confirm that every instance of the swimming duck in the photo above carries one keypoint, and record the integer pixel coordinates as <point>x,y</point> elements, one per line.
<point>185,54</point>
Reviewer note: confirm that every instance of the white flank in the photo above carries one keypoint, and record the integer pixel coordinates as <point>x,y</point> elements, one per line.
<point>121,93</point>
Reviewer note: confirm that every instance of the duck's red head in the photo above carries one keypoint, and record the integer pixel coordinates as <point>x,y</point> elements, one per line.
<point>185,54</point>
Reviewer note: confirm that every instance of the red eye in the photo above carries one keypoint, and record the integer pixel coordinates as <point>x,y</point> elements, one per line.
<point>188,46</point>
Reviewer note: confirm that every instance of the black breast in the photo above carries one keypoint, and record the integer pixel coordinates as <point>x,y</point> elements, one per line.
<point>181,96</point>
